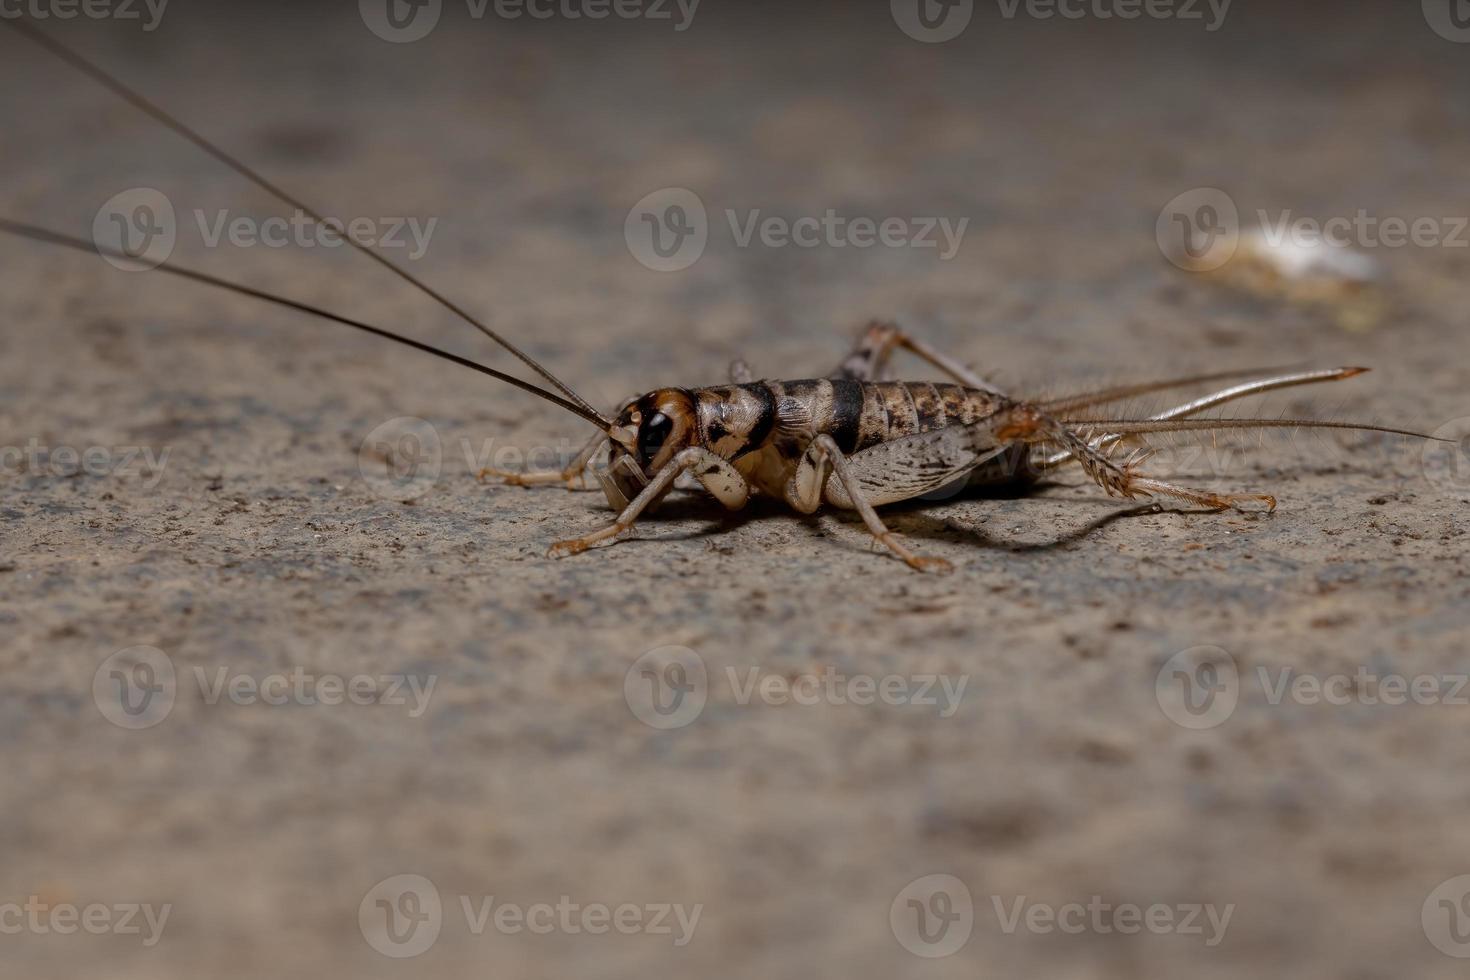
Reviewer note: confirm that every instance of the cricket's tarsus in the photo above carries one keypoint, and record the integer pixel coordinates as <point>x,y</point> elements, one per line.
<point>851,439</point>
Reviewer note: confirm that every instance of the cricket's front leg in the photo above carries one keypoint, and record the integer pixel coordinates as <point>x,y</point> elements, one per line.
<point>804,494</point>
<point>714,473</point>
<point>574,477</point>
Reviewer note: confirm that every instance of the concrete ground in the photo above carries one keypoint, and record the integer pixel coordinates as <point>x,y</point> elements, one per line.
<point>1100,732</point>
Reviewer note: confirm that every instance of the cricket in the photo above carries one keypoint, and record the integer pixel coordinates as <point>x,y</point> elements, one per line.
<point>852,438</point>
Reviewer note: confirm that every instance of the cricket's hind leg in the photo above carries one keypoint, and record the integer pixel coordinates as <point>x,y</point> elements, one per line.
<point>1030,425</point>
<point>1194,406</point>
<point>1140,485</point>
<point>869,359</point>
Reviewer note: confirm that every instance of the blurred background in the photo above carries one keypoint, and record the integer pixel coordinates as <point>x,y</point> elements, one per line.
<point>1056,193</point>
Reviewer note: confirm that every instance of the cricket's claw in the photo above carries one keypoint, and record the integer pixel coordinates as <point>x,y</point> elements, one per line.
<point>934,566</point>
<point>512,479</point>
<point>561,549</point>
<point>1264,499</point>
<point>504,476</point>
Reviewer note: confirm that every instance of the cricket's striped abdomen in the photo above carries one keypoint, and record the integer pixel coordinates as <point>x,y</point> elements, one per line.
<point>766,427</point>
<point>735,420</point>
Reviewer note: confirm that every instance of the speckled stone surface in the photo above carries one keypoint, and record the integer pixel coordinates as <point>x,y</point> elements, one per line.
<point>261,549</point>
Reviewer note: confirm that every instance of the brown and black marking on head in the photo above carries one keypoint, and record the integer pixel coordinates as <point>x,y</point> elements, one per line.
<point>655,427</point>
<point>646,436</point>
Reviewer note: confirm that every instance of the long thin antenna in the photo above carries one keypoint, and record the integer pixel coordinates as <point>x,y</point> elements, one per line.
<point>56,238</point>
<point>138,101</point>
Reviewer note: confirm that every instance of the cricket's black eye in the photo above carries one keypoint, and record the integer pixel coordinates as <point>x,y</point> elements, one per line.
<point>652,434</point>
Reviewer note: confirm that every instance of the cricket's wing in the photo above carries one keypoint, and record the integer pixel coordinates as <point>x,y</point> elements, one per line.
<point>912,466</point>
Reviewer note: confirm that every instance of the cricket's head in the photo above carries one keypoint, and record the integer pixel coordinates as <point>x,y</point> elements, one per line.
<point>646,436</point>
